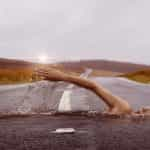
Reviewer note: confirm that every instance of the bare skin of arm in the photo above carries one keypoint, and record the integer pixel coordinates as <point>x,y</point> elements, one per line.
<point>116,105</point>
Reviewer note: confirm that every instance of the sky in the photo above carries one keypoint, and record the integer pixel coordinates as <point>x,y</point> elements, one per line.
<point>75,29</point>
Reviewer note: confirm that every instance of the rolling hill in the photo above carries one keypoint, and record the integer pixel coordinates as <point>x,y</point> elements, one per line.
<point>18,71</point>
<point>107,65</point>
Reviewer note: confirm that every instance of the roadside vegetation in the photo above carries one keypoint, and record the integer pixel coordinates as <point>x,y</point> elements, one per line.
<point>142,76</point>
<point>10,76</point>
<point>26,75</point>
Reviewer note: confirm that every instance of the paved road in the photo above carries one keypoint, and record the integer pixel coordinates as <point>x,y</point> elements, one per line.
<point>68,99</point>
<point>35,133</point>
<point>137,94</point>
<point>93,133</point>
<point>45,96</point>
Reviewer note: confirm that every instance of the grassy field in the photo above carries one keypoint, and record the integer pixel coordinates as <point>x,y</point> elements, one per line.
<point>19,75</point>
<point>10,76</point>
<point>17,71</point>
<point>15,75</point>
<point>142,76</point>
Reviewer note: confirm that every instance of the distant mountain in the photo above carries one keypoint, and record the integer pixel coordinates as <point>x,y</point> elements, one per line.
<point>114,66</point>
<point>13,63</point>
<point>104,65</point>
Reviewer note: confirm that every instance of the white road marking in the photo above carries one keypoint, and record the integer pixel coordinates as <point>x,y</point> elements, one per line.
<point>64,130</point>
<point>65,104</point>
<point>65,101</point>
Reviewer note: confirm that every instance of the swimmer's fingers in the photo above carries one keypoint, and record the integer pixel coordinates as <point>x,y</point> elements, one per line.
<point>41,73</point>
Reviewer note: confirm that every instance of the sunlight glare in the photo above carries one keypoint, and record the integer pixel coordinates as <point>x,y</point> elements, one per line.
<point>43,59</point>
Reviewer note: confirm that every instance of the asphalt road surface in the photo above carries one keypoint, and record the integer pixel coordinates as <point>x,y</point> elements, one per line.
<point>92,133</point>
<point>46,96</point>
<point>65,101</point>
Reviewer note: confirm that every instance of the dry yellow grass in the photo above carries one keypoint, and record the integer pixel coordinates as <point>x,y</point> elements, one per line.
<point>15,75</point>
<point>23,75</point>
<point>142,76</point>
<point>104,73</point>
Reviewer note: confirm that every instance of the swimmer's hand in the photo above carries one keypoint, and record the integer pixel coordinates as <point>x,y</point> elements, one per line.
<point>50,74</point>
